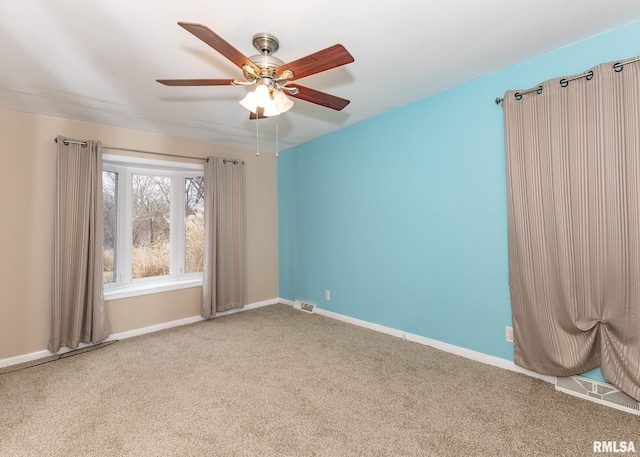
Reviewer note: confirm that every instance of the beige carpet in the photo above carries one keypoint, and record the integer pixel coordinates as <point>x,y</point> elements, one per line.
<point>280,382</point>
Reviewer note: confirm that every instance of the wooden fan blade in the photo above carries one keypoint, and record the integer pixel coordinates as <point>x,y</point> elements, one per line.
<point>326,59</point>
<point>219,44</point>
<point>195,82</point>
<point>259,114</point>
<point>319,98</point>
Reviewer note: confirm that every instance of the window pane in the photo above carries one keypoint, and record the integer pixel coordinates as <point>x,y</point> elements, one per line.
<point>109,224</point>
<point>151,212</point>
<point>194,225</point>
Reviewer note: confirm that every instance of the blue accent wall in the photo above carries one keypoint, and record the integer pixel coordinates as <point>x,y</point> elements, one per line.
<point>403,217</point>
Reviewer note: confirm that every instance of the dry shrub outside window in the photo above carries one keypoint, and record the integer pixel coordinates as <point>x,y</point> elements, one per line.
<point>107,265</point>
<point>150,260</point>
<point>194,241</point>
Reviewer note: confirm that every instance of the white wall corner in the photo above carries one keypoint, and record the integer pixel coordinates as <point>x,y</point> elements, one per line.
<point>285,301</point>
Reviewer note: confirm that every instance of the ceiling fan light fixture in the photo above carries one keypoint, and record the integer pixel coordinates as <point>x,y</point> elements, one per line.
<point>271,109</point>
<point>278,105</point>
<point>263,95</point>
<point>273,101</point>
<point>259,97</point>
<point>249,102</point>
<point>283,102</point>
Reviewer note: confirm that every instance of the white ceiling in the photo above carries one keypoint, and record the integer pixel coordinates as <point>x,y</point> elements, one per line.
<point>97,60</point>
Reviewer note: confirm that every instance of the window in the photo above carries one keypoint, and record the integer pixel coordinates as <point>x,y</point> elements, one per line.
<point>153,225</point>
<point>194,225</point>
<point>109,224</point>
<point>150,225</point>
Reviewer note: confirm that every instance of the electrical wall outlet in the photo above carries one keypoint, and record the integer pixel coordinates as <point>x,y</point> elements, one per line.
<point>327,295</point>
<point>509,334</point>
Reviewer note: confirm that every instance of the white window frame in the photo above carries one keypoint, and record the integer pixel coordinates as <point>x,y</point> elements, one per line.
<point>124,285</point>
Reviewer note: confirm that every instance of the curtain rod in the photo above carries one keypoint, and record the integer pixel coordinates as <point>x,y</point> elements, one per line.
<point>618,66</point>
<point>206,159</point>
<point>66,142</point>
<point>113,148</point>
<point>84,144</point>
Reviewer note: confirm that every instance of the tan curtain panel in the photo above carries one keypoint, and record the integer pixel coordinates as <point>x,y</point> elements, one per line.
<point>573,177</point>
<point>78,313</point>
<point>223,283</point>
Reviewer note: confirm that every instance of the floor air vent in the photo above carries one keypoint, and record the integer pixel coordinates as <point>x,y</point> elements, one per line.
<point>304,306</point>
<point>597,391</point>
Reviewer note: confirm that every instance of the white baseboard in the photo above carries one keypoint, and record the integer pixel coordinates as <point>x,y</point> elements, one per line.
<point>154,328</point>
<point>463,352</point>
<point>623,403</point>
<point>187,320</point>
<point>35,356</point>
<point>130,333</point>
<point>457,350</point>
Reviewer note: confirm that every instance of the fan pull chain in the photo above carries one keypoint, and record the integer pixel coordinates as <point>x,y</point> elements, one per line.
<point>257,134</point>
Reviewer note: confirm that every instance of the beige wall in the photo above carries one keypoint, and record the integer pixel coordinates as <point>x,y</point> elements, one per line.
<point>27,189</point>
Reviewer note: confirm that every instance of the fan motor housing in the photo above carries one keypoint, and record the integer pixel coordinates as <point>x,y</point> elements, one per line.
<point>265,43</point>
<point>268,62</point>
<point>267,65</point>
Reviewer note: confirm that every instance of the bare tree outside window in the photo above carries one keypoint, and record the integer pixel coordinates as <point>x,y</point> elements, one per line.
<point>194,225</point>
<point>151,213</point>
<point>162,238</point>
<point>109,211</point>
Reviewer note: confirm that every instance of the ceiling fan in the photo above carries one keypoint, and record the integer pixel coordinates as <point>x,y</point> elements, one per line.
<point>270,75</point>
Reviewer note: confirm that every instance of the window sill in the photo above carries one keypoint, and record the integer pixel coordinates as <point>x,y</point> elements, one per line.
<point>150,288</point>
